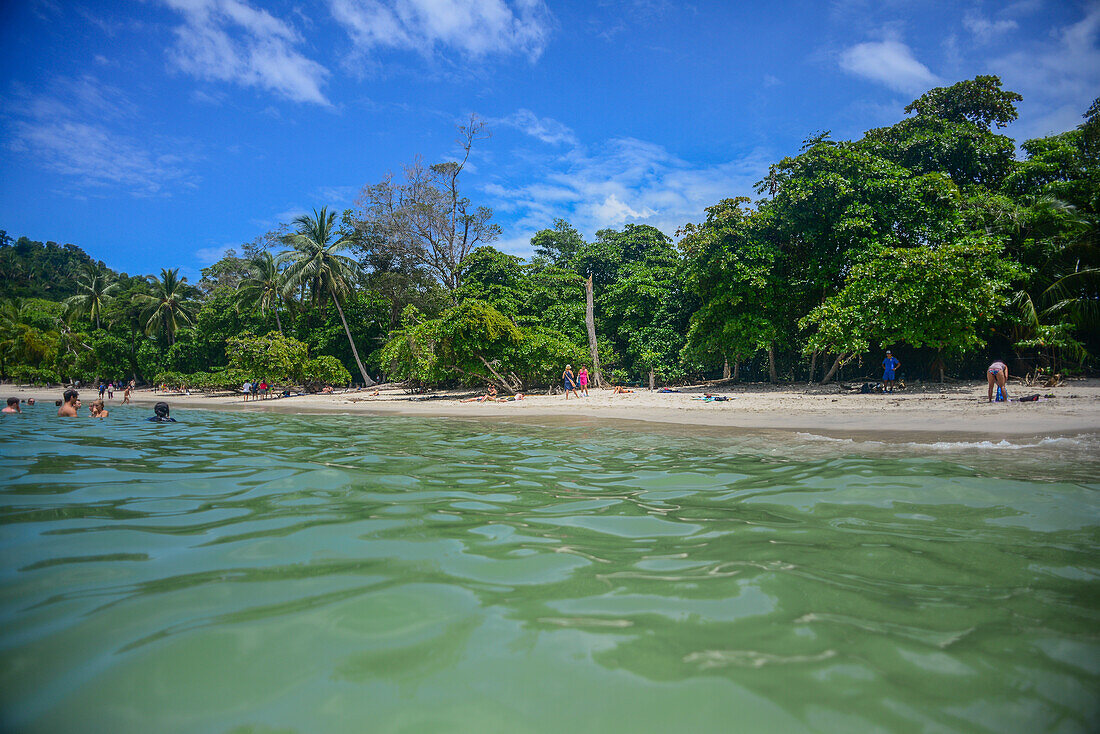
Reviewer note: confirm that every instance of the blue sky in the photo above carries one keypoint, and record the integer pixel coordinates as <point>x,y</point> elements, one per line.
<point>159,132</point>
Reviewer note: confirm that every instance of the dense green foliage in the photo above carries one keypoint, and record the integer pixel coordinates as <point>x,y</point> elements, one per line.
<point>933,237</point>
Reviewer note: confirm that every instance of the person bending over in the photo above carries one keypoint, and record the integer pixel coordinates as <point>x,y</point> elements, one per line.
<point>160,414</point>
<point>997,374</point>
<point>70,404</point>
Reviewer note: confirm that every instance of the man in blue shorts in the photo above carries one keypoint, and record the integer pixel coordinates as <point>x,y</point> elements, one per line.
<point>888,366</point>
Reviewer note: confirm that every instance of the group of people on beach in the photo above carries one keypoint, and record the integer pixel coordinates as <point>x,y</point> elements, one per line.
<point>255,389</point>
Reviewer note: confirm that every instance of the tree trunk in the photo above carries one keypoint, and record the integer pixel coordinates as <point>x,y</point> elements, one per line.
<point>651,378</point>
<point>278,323</point>
<point>737,369</point>
<point>813,367</point>
<point>771,364</point>
<point>725,368</point>
<point>939,358</point>
<point>501,382</point>
<point>832,370</point>
<point>590,323</point>
<point>367,381</point>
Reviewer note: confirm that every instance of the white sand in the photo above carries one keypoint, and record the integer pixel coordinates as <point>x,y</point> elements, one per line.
<point>959,408</point>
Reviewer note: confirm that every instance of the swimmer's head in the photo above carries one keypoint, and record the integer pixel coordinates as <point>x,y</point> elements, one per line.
<point>13,401</point>
<point>70,395</point>
<point>161,410</point>
<point>30,401</point>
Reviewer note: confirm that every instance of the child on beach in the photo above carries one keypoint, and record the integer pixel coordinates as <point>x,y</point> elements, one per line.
<point>582,380</point>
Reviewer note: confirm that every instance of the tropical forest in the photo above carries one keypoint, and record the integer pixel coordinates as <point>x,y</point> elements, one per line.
<point>937,237</point>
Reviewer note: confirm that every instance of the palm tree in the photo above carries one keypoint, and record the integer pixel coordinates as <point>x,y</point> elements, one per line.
<point>262,290</point>
<point>169,306</point>
<point>96,289</point>
<point>314,263</point>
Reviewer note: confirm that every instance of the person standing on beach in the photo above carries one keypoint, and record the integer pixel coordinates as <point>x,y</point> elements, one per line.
<point>126,393</point>
<point>888,366</point>
<point>12,406</point>
<point>246,388</point>
<point>997,374</point>
<point>569,382</point>
<point>582,381</point>
<point>102,389</point>
<point>111,390</point>
<point>70,405</point>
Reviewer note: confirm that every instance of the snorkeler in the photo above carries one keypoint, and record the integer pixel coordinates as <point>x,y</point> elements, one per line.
<point>70,405</point>
<point>160,411</point>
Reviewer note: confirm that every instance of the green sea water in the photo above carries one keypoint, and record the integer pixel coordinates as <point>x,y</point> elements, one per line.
<point>240,572</point>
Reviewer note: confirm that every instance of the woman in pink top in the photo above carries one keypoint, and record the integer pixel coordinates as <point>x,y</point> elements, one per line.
<point>582,380</point>
<point>998,374</point>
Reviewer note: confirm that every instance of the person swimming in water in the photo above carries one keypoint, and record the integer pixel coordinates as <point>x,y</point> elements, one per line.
<point>160,414</point>
<point>12,407</point>
<point>98,411</point>
<point>70,405</point>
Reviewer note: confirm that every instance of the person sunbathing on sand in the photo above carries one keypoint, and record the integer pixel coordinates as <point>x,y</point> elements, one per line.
<point>619,390</point>
<point>490,395</point>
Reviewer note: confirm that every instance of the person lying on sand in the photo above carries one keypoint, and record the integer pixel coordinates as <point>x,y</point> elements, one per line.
<point>327,390</point>
<point>490,395</point>
<point>619,390</point>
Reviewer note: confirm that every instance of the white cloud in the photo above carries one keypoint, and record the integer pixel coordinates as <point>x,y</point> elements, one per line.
<point>545,129</point>
<point>624,181</point>
<point>1056,75</point>
<point>210,255</point>
<point>230,41</point>
<point>79,128</point>
<point>475,28</point>
<point>984,29</point>
<point>888,62</point>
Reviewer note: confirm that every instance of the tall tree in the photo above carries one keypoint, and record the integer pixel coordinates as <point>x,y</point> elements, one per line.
<point>315,263</point>
<point>95,289</point>
<point>427,220</point>
<point>169,304</point>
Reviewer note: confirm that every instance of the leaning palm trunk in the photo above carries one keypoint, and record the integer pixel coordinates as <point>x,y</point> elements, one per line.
<point>367,381</point>
<point>279,326</point>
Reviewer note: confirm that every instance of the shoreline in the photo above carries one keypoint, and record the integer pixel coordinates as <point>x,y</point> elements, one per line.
<point>957,410</point>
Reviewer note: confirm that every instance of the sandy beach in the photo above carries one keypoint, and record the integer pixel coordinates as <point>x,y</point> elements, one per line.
<point>955,408</point>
